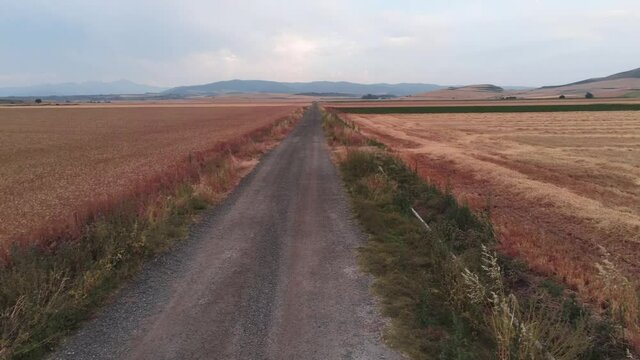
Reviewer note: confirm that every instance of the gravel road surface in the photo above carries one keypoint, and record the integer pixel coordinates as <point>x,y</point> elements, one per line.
<point>269,274</point>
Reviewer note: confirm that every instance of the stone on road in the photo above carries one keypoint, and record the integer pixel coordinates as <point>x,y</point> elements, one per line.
<point>269,274</point>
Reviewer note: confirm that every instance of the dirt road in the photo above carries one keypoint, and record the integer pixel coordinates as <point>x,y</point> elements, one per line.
<point>269,274</point>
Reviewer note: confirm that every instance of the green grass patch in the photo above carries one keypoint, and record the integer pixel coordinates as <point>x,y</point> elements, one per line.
<point>489,109</point>
<point>447,293</point>
<point>45,294</point>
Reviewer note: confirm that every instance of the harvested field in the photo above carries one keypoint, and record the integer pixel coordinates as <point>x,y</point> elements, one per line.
<point>563,188</point>
<point>417,102</point>
<point>59,160</point>
<point>491,109</point>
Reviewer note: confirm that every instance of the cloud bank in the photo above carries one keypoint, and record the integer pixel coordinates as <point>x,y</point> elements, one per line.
<point>169,43</point>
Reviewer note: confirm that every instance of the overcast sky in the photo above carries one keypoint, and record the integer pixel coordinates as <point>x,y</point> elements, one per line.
<point>167,43</point>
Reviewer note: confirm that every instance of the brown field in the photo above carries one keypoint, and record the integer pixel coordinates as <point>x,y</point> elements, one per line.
<point>563,188</point>
<point>56,160</point>
<point>417,101</point>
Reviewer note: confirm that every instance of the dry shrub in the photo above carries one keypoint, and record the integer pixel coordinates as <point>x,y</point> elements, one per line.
<point>282,128</point>
<point>342,132</point>
<point>218,177</point>
<point>622,299</point>
<point>539,332</point>
<point>380,187</point>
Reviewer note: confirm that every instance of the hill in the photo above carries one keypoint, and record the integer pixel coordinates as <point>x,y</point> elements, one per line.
<point>479,87</point>
<point>622,84</point>
<point>631,74</point>
<point>616,88</point>
<point>469,92</point>
<point>262,86</point>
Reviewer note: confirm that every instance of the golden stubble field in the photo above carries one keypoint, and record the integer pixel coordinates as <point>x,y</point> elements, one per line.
<point>421,102</point>
<point>55,160</point>
<point>563,188</point>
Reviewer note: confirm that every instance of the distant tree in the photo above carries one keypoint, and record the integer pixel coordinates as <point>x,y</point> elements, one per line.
<point>561,97</point>
<point>38,101</point>
<point>588,95</point>
<point>378,97</point>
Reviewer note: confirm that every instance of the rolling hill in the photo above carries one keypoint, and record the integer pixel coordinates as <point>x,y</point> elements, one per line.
<point>631,74</point>
<point>469,92</point>
<point>613,88</point>
<point>623,84</point>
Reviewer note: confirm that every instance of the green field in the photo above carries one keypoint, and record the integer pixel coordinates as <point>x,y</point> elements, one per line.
<point>488,109</point>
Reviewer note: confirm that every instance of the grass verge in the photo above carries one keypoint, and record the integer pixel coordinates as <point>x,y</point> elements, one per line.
<point>448,293</point>
<point>488,109</point>
<point>47,289</point>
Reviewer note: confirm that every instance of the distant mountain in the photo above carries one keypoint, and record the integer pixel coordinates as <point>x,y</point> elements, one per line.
<point>231,86</point>
<point>262,86</point>
<point>631,74</point>
<point>83,88</point>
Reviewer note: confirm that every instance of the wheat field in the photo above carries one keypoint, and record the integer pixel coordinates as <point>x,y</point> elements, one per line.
<point>57,160</point>
<point>563,189</point>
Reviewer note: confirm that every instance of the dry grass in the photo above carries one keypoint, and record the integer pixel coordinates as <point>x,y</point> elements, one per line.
<point>60,164</point>
<point>564,188</point>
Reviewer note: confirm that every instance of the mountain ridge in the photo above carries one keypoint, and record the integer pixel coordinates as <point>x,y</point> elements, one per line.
<point>126,87</point>
<point>266,86</point>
